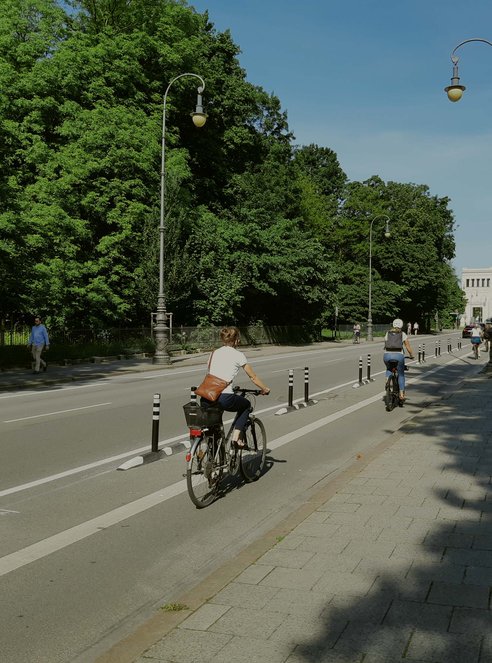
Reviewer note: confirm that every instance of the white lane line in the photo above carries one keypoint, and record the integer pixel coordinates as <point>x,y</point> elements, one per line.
<point>52,544</point>
<point>59,541</point>
<point>50,414</point>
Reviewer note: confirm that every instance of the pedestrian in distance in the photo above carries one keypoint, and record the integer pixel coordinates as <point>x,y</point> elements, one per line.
<point>38,341</point>
<point>409,329</point>
<point>415,328</point>
<point>487,336</point>
<point>395,340</point>
<point>356,332</point>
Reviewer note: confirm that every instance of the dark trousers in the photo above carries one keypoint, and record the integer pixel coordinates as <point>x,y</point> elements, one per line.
<point>239,404</point>
<point>233,403</point>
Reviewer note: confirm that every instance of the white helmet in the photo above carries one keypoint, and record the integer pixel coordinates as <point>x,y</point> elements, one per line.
<point>397,323</point>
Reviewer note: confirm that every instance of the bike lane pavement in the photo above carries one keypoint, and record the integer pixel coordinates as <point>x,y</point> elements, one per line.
<point>390,561</point>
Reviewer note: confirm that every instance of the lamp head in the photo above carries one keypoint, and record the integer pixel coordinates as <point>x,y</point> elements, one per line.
<point>199,119</point>
<point>199,116</point>
<point>455,90</point>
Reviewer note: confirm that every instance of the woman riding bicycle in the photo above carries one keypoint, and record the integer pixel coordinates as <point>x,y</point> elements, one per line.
<point>394,341</point>
<point>225,364</point>
<point>476,339</point>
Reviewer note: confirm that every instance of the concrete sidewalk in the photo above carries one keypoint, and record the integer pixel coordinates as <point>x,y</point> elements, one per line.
<point>392,561</point>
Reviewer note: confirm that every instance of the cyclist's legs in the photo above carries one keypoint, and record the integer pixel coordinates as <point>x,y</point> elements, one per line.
<point>400,358</point>
<point>239,404</point>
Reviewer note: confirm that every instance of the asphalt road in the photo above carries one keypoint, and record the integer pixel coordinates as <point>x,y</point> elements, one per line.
<point>88,552</point>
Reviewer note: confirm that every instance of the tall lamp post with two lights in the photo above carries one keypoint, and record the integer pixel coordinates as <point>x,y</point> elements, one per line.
<point>161,330</point>
<point>455,92</point>
<point>369,308</point>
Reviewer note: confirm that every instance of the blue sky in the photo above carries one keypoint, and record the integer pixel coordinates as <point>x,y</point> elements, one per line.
<point>366,78</point>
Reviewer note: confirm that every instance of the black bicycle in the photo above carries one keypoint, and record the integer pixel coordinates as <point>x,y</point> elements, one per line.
<point>212,456</point>
<point>392,388</point>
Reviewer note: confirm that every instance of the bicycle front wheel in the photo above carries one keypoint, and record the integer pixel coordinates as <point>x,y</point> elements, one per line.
<point>202,477</point>
<point>253,456</point>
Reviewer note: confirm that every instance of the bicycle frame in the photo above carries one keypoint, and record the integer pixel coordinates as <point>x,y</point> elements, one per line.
<point>218,456</point>
<point>392,387</point>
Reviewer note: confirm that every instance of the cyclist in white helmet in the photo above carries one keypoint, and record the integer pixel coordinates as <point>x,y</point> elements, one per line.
<point>395,340</point>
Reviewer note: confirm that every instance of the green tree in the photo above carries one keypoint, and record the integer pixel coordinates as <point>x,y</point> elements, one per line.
<point>409,265</point>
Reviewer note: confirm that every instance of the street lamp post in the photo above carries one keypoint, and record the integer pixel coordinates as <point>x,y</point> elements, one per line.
<point>161,330</point>
<point>455,90</point>
<point>369,308</point>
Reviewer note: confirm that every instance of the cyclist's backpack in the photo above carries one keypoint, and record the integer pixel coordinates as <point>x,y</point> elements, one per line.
<point>394,342</point>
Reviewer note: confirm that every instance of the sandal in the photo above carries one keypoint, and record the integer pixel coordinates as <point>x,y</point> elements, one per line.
<point>240,444</point>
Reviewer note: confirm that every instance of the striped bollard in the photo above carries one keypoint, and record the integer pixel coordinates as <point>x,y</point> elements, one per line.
<point>360,370</point>
<point>449,345</point>
<point>435,351</point>
<point>156,414</point>
<point>423,353</point>
<point>439,347</point>
<point>369,368</point>
<point>420,355</point>
<point>291,388</point>
<point>306,385</point>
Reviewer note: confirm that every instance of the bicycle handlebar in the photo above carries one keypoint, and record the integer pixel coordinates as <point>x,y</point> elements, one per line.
<point>243,390</point>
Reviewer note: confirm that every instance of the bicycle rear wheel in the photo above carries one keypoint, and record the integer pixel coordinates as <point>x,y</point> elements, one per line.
<point>397,402</point>
<point>203,475</point>
<point>388,396</point>
<point>254,455</point>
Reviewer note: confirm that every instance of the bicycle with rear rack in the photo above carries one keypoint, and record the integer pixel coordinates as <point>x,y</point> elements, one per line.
<point>392,387</point>
<point>212,457</point>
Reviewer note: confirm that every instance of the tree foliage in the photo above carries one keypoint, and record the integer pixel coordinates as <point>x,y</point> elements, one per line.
<point>256,228</point>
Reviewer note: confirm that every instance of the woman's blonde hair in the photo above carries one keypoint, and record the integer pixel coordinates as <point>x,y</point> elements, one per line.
<point>229,335</point>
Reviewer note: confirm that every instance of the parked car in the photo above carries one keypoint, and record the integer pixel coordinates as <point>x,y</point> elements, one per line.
<point>467,330</point>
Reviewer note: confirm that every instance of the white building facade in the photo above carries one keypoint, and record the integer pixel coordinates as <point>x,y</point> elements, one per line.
<point>477,285</point>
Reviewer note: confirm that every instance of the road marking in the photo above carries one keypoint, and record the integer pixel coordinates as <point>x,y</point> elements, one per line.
<point>50,414</point>
<point>57,542</point>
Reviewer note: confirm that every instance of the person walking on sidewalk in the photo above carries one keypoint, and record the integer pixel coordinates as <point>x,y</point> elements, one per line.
<point>394,341</point>
<point>415,328</point>
<point>38,341</point>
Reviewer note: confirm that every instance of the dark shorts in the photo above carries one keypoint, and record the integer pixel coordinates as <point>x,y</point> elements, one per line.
<point>476,340</point>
